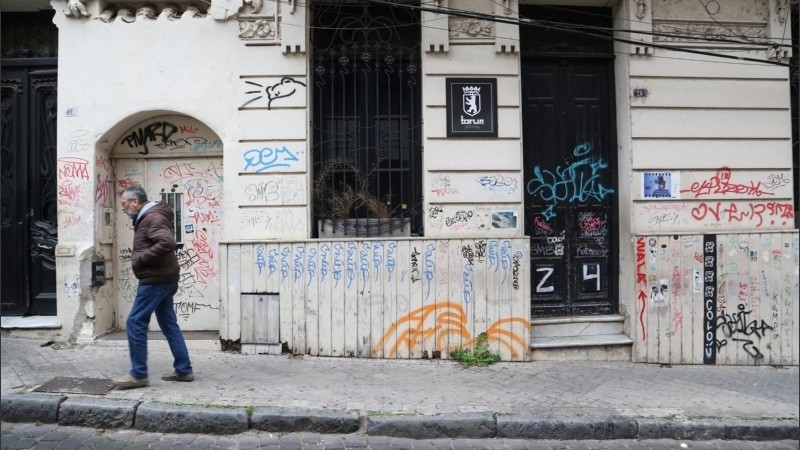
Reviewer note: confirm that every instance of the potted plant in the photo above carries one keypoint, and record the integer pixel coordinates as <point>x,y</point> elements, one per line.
<point>346,207</point>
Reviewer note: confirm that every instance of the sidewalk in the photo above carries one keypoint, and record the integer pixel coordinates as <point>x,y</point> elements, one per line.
<point>416,398</point>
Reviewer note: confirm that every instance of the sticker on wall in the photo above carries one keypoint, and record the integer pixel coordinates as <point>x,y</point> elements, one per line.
<point>189,228</point>
<point>663,185</point>
<point>504,219</point>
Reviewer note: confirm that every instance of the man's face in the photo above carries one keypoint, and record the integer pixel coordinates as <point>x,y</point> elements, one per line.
<point>129,206</point>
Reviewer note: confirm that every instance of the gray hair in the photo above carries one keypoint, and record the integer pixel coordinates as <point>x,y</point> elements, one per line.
<point>135,191</point>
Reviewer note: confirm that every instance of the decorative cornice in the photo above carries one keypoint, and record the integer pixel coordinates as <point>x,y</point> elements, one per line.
<point>148,12</point>
<point>686,32</point>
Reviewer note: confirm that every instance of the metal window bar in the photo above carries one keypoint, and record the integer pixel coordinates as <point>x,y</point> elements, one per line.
<point>175,201</point>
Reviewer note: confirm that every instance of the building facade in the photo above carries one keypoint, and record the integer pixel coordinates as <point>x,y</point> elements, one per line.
<point>588,179</point>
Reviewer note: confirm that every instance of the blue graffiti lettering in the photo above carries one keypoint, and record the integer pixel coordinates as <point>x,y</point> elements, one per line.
<point>267,158</point>
<point>261,262</point>
<point>285,263</point>
<point>324,264</point>
<point>390,263</point>
<point>272,261</point>
<point>351,263</point>
<point>311,266</point>
<point>581,181</point>
<point>429,267</point>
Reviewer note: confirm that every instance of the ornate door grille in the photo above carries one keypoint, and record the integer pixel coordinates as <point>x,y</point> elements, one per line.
<point>367,113</point>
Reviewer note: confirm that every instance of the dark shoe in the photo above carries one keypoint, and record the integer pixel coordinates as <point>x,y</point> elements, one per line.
<point>174,376</point>
<point>128,382</point>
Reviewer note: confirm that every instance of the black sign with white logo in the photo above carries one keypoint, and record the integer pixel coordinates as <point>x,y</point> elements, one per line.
<point>471,107</point>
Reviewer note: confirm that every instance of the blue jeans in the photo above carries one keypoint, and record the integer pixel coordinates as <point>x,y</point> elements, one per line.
<point>155,298</point>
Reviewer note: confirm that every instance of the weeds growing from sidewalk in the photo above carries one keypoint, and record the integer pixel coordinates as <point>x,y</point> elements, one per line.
<point>478,356</point>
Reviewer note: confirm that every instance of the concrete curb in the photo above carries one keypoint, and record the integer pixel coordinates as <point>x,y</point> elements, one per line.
<point>293,420</point>
<point>529,427</point>
<point>162,418</point>
<point>30,407</point>
<point>707,429</point>
<point>166,418</point>
<point>468,425</point>
<point>97,412</point>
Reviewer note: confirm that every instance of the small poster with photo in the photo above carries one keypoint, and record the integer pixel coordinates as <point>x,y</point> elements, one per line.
<point>504,219</point>
<point>661,185</point>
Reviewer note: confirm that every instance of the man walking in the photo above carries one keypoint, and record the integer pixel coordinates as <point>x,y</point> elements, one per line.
<point>156,267</point>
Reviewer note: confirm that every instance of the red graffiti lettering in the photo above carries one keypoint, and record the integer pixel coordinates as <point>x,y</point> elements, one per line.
<point>720,184</point>
<point>72,167</point>
<point>188,129</point>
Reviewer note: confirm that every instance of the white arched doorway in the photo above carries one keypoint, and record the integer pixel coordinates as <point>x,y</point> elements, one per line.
<point>178,160</point>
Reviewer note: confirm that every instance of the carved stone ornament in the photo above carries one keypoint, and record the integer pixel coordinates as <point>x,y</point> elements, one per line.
<point>466,28</point>
<point>782,10</point>
<point>641,9</point>
<point>256,29</point>
<point>76,8</point>
<point>125,14</point>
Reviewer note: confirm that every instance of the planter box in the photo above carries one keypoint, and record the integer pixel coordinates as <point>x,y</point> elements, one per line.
<point>348,228</point>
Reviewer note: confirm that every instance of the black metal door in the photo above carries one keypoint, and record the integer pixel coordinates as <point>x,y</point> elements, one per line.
<point>367,104</point>
<point>569,156</point>
<point>28,190</point>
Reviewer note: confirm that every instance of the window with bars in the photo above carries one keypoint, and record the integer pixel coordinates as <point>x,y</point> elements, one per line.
<point>367,118</point>
<point>175,201</point>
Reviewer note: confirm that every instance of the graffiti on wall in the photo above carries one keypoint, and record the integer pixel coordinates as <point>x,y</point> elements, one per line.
<point>579,182</point>
<point>447,324</point>
<point>285,88</point>
<point>169,136</point>
<point>356,295</point>
<point>717,298</point>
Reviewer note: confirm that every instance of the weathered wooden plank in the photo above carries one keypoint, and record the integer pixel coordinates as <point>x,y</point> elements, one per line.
<point>453,323</point>
<point>519,328</point>
<point>653,330</point>
<point>418,285</point>
<point>234,293</point>
<point>727,282</point>
<point>494,287</point>
<point>273,269</point>
<point>326,307</point>
<point>770,304</point>
<point>481,290</point>
<point>443,303</point>
<point>297,276</point>
<point>506,291</point>
<point>793,242</point>
<point>286,294</point>
<point>426,322</point>
<point>677,289</point>
<point>313,314</point>
<point>337,280</point>
<point>790,311</point>
<point>246,307</point>
<point>364,349</point>
<point>397,264</point>
<point>375,296</point>
<point>639,352</point>
<point>351,288</point>
<point>260,268</point>
<point>246,267</point>
<point>693,305</point>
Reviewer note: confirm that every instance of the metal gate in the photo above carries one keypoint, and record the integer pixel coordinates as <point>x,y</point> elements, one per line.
<point>569,156</point>
<point>28,192</point>
<point>367,105</point>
